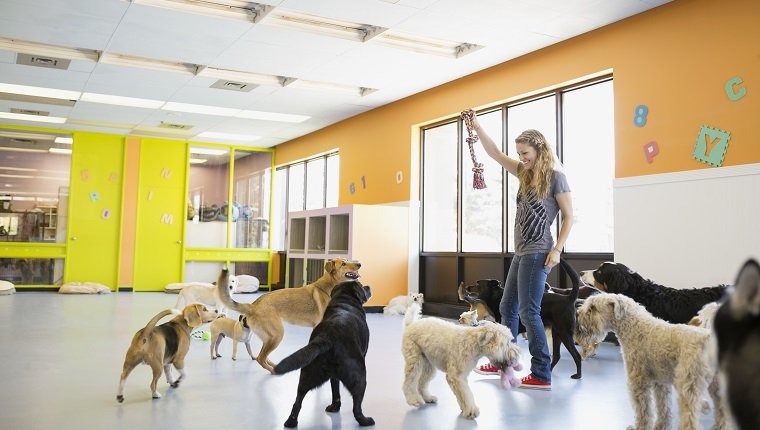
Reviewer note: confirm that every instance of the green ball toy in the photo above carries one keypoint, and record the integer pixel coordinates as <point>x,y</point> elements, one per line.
<point>206,335</point>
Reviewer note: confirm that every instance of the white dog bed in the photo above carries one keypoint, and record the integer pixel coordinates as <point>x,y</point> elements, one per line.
<point>176,287</point>
<point>6,288</point>
<point>83,288</point>
<point>247,284</point>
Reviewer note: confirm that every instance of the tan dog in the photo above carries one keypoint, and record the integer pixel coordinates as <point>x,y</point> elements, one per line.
<point>238,331</point>
<point>303,306</point>
<point>160,347</point>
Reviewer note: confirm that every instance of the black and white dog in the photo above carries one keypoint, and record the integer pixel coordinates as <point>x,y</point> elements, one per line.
<point>674,305</point>
<point>737,328</point>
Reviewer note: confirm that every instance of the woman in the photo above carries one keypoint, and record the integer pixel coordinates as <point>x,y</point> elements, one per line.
<point>542,194</point>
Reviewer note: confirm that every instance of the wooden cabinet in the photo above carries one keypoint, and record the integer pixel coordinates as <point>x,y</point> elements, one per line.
<point>375,235</point>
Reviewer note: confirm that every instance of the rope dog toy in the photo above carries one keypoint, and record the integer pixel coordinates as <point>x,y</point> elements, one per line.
<point>478,181</point>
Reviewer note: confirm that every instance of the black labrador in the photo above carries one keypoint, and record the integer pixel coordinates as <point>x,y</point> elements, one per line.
<point>336,351</point>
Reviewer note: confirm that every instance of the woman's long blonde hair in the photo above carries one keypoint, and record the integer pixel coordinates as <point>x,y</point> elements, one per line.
<point>540,176</point>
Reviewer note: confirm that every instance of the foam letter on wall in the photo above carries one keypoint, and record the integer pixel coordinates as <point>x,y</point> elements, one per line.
<point>734,96</point>
<point>651,150</point>
<point>711,146</point>
<point>105,214</point>
<point>399,177</point>
<point>94,196</point>
<point>640,118</point>
<point>167,219</point>
<point>352,188</point>
<point>166,173</point>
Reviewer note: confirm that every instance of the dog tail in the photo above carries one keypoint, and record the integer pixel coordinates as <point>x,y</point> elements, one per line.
<point>574,278</point>
<point>412,313</point>
<point>303,356</point>
<point>223,291</point>
<point>146,332</point>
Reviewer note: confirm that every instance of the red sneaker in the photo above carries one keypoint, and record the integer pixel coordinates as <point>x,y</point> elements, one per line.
<point>530,382</point>
<point>487,369</point>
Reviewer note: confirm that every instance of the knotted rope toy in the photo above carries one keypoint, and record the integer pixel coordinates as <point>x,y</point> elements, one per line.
<point>478,182</point>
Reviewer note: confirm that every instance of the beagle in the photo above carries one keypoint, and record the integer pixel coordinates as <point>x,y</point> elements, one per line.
<point>161,346</point>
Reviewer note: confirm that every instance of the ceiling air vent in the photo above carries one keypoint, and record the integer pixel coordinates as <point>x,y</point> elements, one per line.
<point>39,61</point>
<point>175,126</point>
<point>30,112</point>
<point>233,86</point>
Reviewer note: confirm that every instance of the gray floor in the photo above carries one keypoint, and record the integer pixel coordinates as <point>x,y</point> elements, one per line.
<point>62,356</point>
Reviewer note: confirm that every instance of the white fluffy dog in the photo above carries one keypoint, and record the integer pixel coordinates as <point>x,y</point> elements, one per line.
<point>657,356</point>
<point>399,304</point>
<point>430,343</point>
<point>203,293</point>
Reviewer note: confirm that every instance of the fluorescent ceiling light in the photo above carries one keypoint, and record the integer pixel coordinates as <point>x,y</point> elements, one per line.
<point>34,118</point>
<point>323,26</point>
<point>201,109</point>
<point>334,88</point>
<point>25,135</point>
<point>66,140</point>
<point>271,116</point>
<point>39,92</point>
<point>121,101</point>
<point>59,151</point>
<point>147,63</point>
<point>231,9</point>
<point>17,169</point>
<point>426,45</point>
<point>228,136</point>
<point>45,50</point>
<point>245,77</point>
<point>197,160</point>
<point>207,151</point>
<point>3,175</point>
<point>14,149</point>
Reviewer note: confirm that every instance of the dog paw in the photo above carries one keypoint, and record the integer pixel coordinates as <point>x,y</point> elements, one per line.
<point>430,399</point>
<point>120,398</point>
<point>156,395</point>
<point>576,376</point>
<point>472,412</point>
<point>415,401</point>
<point>291,422</point>
<point>365,421</point>
<point>333,407</point>
<point>174,384</point>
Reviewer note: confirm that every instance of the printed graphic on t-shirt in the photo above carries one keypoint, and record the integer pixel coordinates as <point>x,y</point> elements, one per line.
<point>531,216</point>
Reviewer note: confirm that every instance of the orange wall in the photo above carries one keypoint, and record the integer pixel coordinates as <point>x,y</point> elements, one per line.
<point>675,59</point>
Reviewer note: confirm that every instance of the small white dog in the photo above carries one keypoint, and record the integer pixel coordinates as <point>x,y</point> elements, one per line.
<point>431,343</point>
<point>203,293</point>
<point>238,331</point>
<point>399,304</point>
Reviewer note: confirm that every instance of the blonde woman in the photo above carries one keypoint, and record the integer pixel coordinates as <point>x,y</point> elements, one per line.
<point>542,194</point>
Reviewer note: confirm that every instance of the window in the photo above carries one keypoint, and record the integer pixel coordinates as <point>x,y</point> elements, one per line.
<point>439,212</point>
<point>310,184</point>
<point>589,158</point>
<point>482,210</point>
<point>473,220</point>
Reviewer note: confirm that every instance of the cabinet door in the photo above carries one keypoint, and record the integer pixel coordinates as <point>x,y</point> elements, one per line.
<point>161,210</point>
<point>92,246</point>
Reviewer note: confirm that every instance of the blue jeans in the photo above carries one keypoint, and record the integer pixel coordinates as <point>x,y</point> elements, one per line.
<point>523,291</point>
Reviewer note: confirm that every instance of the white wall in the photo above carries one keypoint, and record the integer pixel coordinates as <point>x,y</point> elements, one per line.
<point>689,229</point>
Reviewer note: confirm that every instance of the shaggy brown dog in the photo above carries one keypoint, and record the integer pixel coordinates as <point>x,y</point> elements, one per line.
<point>302,306</point>
<point>160,347</point>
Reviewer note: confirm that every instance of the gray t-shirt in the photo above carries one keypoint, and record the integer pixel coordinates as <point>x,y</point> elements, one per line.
<point>534,217</point>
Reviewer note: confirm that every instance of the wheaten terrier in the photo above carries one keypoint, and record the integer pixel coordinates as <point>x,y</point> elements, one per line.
<point>431,343</point>
<point>657,356</point>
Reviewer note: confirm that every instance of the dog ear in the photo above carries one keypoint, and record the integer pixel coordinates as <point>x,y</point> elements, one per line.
<point>192,315</point>
<point>617,310</point>
<point>240,317</point>
<point>330,266</point>
<point>486,336</point>
<point>746,297</point>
